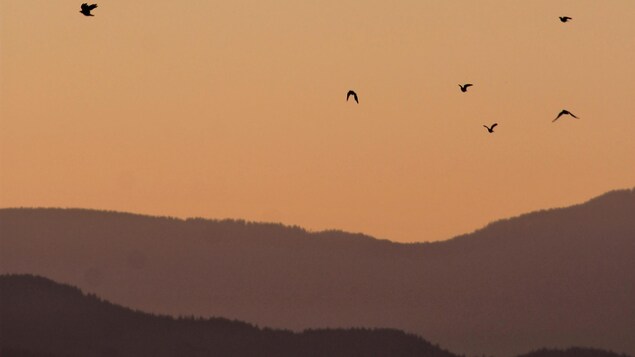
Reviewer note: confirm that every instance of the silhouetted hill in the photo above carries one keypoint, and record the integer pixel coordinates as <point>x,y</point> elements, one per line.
<point>554,278</point>
<point>572,352</point>
<point>41,317</point>
<point>10,352</point>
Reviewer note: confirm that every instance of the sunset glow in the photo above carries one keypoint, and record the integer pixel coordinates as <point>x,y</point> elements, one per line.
<point>238,110</point>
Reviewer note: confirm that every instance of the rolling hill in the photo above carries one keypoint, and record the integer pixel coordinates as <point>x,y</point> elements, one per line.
<point>41,317</point>
<point>553,278</point>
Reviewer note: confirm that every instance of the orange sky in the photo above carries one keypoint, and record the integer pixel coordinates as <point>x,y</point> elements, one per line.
<point>237,109</point>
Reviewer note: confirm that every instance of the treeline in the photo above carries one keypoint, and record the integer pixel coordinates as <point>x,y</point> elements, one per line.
<point>43,318</point>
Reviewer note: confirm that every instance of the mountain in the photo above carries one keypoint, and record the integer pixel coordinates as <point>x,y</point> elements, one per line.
<point>40,317</point>
<point>553,278</point>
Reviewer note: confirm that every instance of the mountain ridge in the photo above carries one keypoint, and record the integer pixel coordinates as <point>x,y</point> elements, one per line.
<point>279,225</point>
<point>41,315</point>
<point>38,312</point>
<point>549,276</point>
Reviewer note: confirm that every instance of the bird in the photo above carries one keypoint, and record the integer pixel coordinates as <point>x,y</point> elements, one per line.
<point>465,86</point>
<point>564,112</point>
<point>87,8</point>
<point>491,128</point>
<point>565,18</point>
<point>352,93</point>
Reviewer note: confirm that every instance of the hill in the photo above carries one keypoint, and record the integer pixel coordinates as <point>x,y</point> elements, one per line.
<point>555,278</point>
<point>40,317</point>
<point>572,352</point>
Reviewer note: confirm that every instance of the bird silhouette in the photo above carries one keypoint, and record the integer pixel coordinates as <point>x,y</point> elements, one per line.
<point>564,112</point>
<point>352,93</point>
<point>565,18</point>
<point>87,8</point>
<point>464,87</point>
<point>491,128</point>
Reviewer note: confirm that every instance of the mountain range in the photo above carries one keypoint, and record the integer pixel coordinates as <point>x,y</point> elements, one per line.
<point>42,318</point>
<point>552,278</point>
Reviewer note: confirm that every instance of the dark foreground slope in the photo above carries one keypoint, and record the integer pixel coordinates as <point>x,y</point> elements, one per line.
<point>41,316</point>
<point>572,352</point>
<point>555,278</point>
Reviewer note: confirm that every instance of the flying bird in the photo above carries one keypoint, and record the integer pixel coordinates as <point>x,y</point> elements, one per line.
<point>565,18</point>
<point>491,128</point>
<point>87,8</point>
<point>564,112</point>
<point>464,87</point>
<point>352,93</point>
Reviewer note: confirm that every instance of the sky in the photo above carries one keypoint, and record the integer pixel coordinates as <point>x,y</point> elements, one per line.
<point>237,109</point>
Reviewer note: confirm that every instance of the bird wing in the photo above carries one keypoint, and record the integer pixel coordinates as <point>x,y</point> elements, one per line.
<point>352,93</point>
<point>573,115</point>
<point>468,85</point>
<point>86,7</point>
<point>493,125</point>
<point>559,115</point>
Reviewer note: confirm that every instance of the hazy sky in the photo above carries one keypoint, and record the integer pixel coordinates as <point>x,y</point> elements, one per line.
<point>237,109</point>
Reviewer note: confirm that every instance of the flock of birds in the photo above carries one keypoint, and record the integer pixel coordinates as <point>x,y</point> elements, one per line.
<point>86,11</point>
<point>464,87</point>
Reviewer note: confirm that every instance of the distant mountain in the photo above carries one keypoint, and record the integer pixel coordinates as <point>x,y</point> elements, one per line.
<point>40,317</point>
<point>554,278</point>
